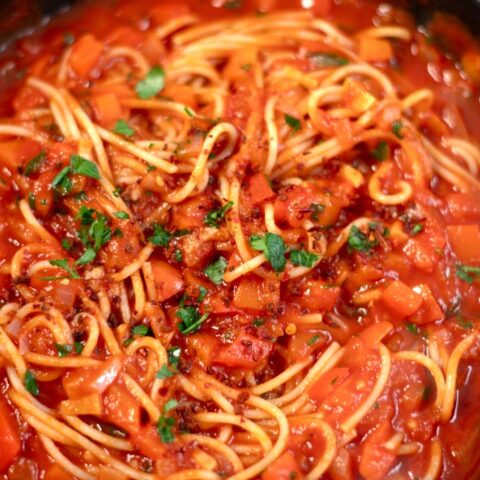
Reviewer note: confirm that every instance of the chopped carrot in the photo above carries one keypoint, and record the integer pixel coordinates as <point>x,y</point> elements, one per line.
<point>107,109</point>
<point>121,408</point>
<point>85,55</point>
<point>465,242</point>
<point>318,296</point>
<point>168,280</point>
<point>87,405</point>
<point>401,299</point>
<point>374,49</point>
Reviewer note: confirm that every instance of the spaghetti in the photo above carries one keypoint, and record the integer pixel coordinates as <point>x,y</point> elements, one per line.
<point>239,245</point>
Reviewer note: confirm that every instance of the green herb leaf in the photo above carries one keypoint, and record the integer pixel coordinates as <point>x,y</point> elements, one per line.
<point>78,346</point>
<point>358,241</point>
<point>232,4</point>
<point>293,123</point>
<point>397,127</point>
<point>68,38</point>
<point>31,383</point>
<point>215,217</point>
<point>303,258</point>
<point>141,330</point>
<point>87,257</point>
<point>164,373</point>
<point>323,59</point>
<point>189,112</point>
<point>467,273</point>
<point>63,264</point>
<point>152,84</point>
<point>313,340</point>
<point>62,181</point>
<point>178,256</point>
<point>82,166</point>
<point>63,349</point>
<point>100,232</point>
<point>381,151</point>
<point>170,405</point>
<point>34,164</point>
<point>273,247</point>
<point>174,354</point>
<point>412,328</point>
<point>32,201</point>
<point>164,428</point>
<point>317,208</point>
<point>123,128</point>
<point>191,320</point>
<point>216,270</point>
<point>161,236</point>
<point>416,229</point>
<point>203,293</point>
<point>122,215</point>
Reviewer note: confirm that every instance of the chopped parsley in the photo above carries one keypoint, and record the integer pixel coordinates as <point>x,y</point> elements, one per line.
<point>191,319</point>
<point>174,356</point>
<point>152,84</point>
<point>165,373</point>
<point>178,255</point>
<point>216,270</point>
<point>88,256</point>
<point>189,112</point>
<point>215,217</point>
<point>123,128</point>
<point>141,330</point>
<point>416,229</point>
<point>32,201</point>
<point>313,340</point>
<point>467,273</point>
<point>258,322</point>
<point>161,236</point>
<point>303,258</point>
<point>358,241</point>
<point>122,215</point>
<point>64,265</point>
<point>412,328</point>
<point>232,4</point>
<point>79,166</point>
<point>68,38</point>
<point>78,346</point>
<point>31,383</point>
<point>94,232</point>
<point>380,153</point>
<point>317,209</point>
<point>166,423</point>
<point>397,127</point>
<point>273,247</point>
<point>323,59</point>
<point>293,123</point>
<point>34,164</point>
<point>66,244</point>
<point>63,350</point>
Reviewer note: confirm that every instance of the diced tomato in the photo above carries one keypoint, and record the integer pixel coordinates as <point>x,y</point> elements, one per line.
<point>255,294</point>
<point>168,280</point>
<point>430,311</point>
<point>202,346</point>
<point>125,36</point>
<point>327,383</point>
<point>17,153</point>
<point>246,351</point>
<point>29,98</point>
<point>87,405</point>
<point>107,109</point>
<point>121,408</point>
<point>401,299</point>
<point>85,55</point>
<point>317,296</point>
<point>9,437</point>
<point>376,461</point>
<point>356,95</point>
<point>465,241</point>
<point>421,255</point>
<point>375,49</point>
<point>293,206</point>
<point>83,381</point>
<point>284,467</point>
<point>191,213</point>
<point>148,442</point>
<point>374,334</point>
<point>342,466</point>
<point>259,189</point>
<point>464,207</point>
<point>55,472</point>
